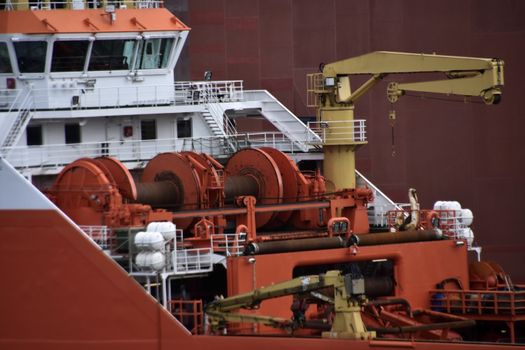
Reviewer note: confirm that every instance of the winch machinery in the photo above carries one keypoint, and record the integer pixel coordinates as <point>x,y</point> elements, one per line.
<point>262,189</point>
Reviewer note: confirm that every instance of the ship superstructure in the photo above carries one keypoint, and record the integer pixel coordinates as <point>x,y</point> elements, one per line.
<point>83,80</point>
<point>228,241</point>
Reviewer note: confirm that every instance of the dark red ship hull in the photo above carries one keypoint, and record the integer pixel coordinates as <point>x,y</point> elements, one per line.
<point>446,150</point>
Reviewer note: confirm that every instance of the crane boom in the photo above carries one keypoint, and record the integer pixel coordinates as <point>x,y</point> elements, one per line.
<point>330,91</point>
<point>348,292</point>
<point>386,62</point>
<point>466,76</point>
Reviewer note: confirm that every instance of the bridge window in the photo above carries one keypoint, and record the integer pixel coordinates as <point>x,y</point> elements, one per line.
<point>31,56</point>
<point>112,55</point>
<point>148,129</point>
<point>58,4</point>
<point>154,53</point>
<point>69,56</point>
<point>5,63</point>
<point>72,133</point>
<point>34,135</point>
<point>93,4</point>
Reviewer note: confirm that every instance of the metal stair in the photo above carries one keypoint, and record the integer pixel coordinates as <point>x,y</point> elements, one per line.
<point>20,114</point>
<point>212,124</point>
<point>381,204</point>
<point>284,120</point>
<point>219,124</point>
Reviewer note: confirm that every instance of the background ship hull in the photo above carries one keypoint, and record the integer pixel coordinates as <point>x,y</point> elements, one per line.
<point>448,151</point>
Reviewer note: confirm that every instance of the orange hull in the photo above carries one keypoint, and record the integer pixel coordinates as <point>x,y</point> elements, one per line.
<point>63,292</point>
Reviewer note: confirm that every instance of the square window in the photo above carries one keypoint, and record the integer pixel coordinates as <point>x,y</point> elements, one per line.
<point>184,128</point>
<point>72,133</point>
<point>31,56</point>
<point>34,135</point>
<point>69,56</point>
<point>5,63</point>
<point>148,129</point>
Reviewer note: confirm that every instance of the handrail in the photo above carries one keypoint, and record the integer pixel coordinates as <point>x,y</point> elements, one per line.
<point>22,109</point>
<point>194,260</point>
<point>8,97</point>
<point>339,130</point>
<point>450,221</point>
<point>301,142</point>
<point>119,96</point>
<point>381,205</point>
<point>77,5</point>
<point>274,139</point>
<point>204,92</point>
<point>17,97</point>
<point>216,111</point>
<point>101,235</point>
<point>189,313</point>
<point>502,303</point>
<point>58,155</point>
<point>190,260</point>
<point>229,244</point>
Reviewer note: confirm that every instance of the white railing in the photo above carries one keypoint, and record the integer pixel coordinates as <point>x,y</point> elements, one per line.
<point>99,234</point>
<point>229,244</point>
<point>197,260</point>
<point>452,223</point>
<point>378,213</point>
<point>216,110</point>
<point>8,98</point>
<point>284,120</point>
<point>19,116</point>
<point>88,95</point>
<point>59,155</point>
<point>190,260</point>
<point>217,113</point>
<point>335,131</point>
<point>381,204</point>
<point>126,151</point>
<point>11,5</point>
<point>203,92</point>
<point>274,139</point>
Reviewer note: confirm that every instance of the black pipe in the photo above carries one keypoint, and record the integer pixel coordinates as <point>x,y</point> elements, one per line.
<point>394,237</point>
<point>294,245</point>
<point>423,327</point>
<point>318,324</point>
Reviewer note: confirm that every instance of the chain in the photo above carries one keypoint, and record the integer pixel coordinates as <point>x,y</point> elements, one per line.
<point>392,120</point>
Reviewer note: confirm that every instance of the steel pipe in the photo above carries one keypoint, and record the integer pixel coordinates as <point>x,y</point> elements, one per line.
<point>294,245</point>
<point>395,237</point>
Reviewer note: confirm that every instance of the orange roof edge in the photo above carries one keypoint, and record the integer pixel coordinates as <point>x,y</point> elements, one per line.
<point>89,21</point>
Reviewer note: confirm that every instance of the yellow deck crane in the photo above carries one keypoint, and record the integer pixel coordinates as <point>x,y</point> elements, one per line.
<point>345,292</point>
<point>347,296</point>
<point>330,92</point>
